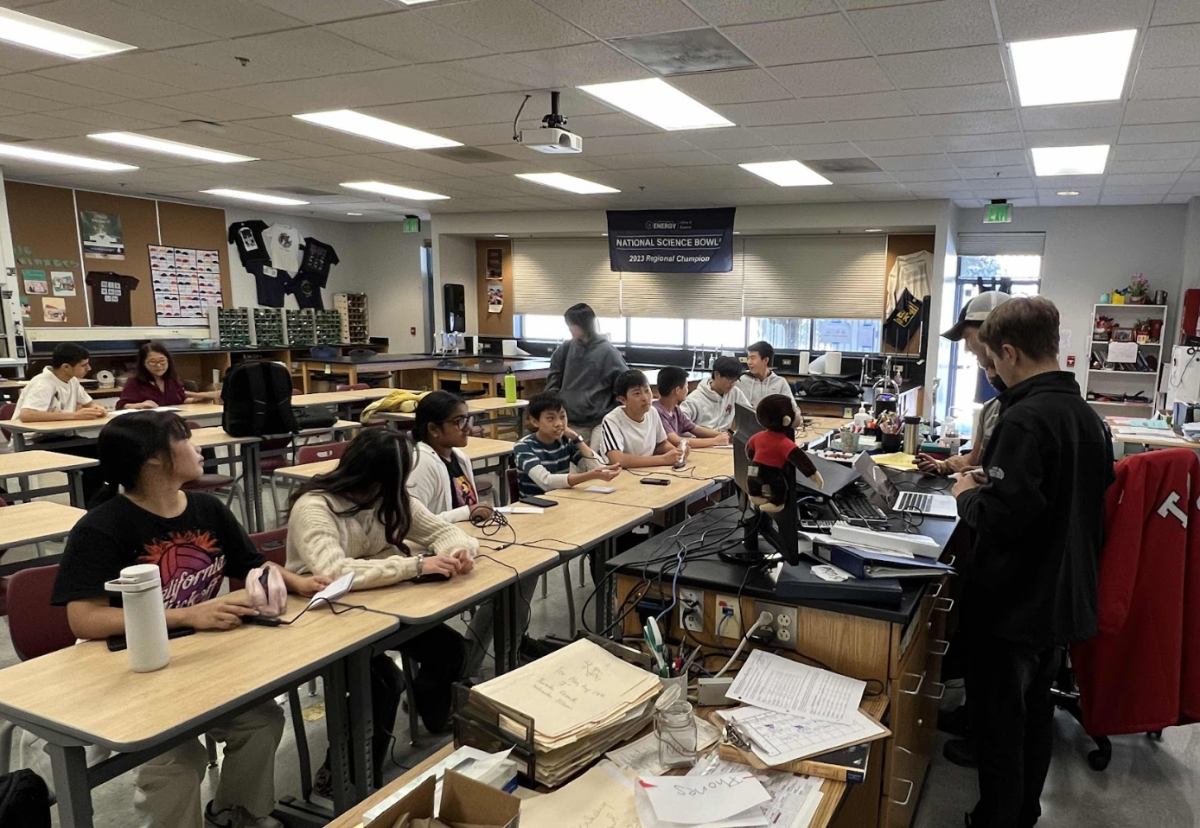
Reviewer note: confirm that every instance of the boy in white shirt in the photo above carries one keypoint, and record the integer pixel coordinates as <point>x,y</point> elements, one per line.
<point>56,394</point>
<point>633,435</point>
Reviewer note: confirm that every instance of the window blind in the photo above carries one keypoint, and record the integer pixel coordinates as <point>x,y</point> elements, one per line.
<point>1001,244</point>
<point>685,295</point>
<point>550,275</point>
<point>822,277</point>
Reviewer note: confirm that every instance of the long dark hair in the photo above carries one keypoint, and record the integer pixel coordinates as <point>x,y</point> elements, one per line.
<point>582,316</point>
<point>434,409</point>
<point>143,373</point>
<point>372,474</point>
<point>127,443</point>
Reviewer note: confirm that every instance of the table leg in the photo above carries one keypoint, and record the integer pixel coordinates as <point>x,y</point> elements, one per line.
<point>253,490</point>
<point>362,726</point>
<point>502,465</point>
<point>18,439</point>
<point>336,715</point>
<point>516,599</point>
<point>76,480</point>
<point>69,764</point>
<point>353,374</point>
<point>500,614</point>
<point>305,382</point>
<point>604,552</point>
<point>437,380</point>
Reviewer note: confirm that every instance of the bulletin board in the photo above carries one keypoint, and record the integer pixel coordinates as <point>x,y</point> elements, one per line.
<point>139,225</point>
<point>494,324</point>
<point>46,241</point>
<point>200,228</point>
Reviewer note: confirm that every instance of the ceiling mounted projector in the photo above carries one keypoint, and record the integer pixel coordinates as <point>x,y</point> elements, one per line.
<point>552,138</point>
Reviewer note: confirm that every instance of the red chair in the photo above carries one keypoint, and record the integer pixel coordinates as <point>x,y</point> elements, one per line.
<point>321,451</point>
<point>6,413</point>
<point>274,458</point>
<point>213,482</point>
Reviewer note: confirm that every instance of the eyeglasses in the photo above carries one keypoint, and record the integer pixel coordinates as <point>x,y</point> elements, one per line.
<point>461,423</point>
<point>158,363</point>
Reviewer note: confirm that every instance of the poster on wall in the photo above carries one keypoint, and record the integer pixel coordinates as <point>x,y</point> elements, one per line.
<point>54,310</point>
<point>25,312</point>
<point>495,298</point>
<point>62,282</point>
<point>186,281</point>
<point>671,241</point>
<point>101,236</point>
<point>35,282</point>
<point>495,263</point>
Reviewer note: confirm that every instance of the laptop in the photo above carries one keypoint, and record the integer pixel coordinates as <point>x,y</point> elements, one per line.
<point>919,503</point>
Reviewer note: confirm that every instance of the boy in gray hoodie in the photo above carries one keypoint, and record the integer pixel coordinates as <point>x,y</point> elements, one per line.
<point>582,372</point>
<point>713,403</point>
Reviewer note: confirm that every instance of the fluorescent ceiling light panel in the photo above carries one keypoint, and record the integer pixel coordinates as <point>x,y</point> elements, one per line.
<point>242,195</point>
<point>1070,160</point>
<point>1067,192</point>
<point>392,190</point>
<point>1076,69</point>
<point>786,173</point>
<point>377,129</point>
<point>570,183</point>
<point>35,33</point>
<point>659,103</point>
<point>61,158</point>
<point>130,139</point>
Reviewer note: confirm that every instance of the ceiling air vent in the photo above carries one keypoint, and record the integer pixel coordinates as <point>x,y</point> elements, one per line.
<point>843,165</point>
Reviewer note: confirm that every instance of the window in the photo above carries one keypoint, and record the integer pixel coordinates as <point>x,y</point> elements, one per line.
<point>782,333</point>
<point>554,329</point>
<point>613,327</point>
<point>728,334</point>
<point>846,335</point>
<point>647,331</point>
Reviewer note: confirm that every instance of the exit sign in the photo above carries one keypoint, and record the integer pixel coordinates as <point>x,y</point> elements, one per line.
<point>998,214</point>
<point>412,225</point>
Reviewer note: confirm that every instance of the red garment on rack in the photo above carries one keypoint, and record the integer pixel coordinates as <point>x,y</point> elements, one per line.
<point>1134,676</point>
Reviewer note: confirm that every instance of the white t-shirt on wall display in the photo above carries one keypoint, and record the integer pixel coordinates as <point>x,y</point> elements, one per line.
<point>619,432</point>
<point>910,273</point>
<point>283,243</point>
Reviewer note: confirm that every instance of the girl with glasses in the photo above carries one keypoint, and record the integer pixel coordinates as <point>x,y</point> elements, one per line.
<point>155,382</point>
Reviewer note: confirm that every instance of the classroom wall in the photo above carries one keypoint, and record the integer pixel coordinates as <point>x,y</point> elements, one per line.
<point>1091,250</point>
<point>387,267</point>
<point>454,263</point>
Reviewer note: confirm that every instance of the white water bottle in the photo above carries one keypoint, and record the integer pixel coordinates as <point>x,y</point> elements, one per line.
<point>140,587</point>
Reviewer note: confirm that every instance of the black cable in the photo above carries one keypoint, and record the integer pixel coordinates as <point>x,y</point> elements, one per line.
<point>332,608</point>
<point>516,135</point>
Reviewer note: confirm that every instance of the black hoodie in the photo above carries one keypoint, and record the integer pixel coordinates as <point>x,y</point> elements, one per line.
<point>1039,520</point>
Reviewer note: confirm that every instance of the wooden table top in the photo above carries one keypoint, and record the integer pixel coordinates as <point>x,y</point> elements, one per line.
<point>217,436</point>
<point>425,603</point>
<point>570,526</point>
<point>99,700</point>
<point>340,397</point>
<point>38,462</point>
<point>630,491</point>
<point>189,411</point>
<point>36,521</point>
<point>476,405</point>
<point>478,448</point>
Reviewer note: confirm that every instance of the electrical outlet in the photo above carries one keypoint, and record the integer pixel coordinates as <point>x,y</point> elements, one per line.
<point>729,617</point>
<point>691,609</point>
<point>784,624</point>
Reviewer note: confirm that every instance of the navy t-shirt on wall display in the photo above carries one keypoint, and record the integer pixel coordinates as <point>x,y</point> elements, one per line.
<point>272,284</point>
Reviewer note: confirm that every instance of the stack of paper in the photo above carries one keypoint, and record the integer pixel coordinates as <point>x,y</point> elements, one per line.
<point>794,799</point>
<point>728,800</point>
<point>601,797</point>
<point>582,699</point>
<point>795,711</point>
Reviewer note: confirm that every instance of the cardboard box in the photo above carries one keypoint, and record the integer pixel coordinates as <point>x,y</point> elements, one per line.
<point>464,802</point>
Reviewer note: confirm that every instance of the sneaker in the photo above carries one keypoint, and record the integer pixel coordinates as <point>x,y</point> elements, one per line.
<point>238,817</point>
<point>960,752</point>
<point>323,782</point>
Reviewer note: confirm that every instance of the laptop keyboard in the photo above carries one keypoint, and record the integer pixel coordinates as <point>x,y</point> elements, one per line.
<point>914,502</point>
<point>852,504</point>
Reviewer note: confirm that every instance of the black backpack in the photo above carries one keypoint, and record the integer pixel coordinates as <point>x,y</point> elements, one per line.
<point>826,387</point>
<point>24,800</point>
<point>258,400</point>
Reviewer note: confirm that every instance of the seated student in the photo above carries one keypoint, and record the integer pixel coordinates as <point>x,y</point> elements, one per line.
<point>196,542</point>
<point>544,459</point>
<point>633,436</point>
<point>56,395</point>
<point>672,391</point>
<point>358,519</point>
<point>155,382</point>
<point>442,480</point>
<point>760,381</point>
<point>714,401</point>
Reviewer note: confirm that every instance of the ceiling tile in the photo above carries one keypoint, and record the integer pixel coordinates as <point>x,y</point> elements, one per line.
<point>210,107</point>
<point>933,161</point>
<point>631,161</point>
<point>407,37</point>
<point>1156,134</point>
<point>912,176</point>
<point>106,119</point>
<point>14,58</point>
<point>1154,152</point>
<point>737,86</point>
<point>91,76</point>
<point>881,129</point>
<point>724,12</point>
<point>837,77</point>
<point>720,139</point>
<point>690,158</point>
<point>1160,165</point>
<point>943,24</point>
<point>1168,46</point>
<point>1108,199</point>
<point>619,18</point>
<point>1136,189</point>
<point>1079,116</point>
<point>21,102</point>
<point>945,99</point>
<point>825,37</point>
<point>1190,179</point>
<point>785,136</point>
<point>505,25</point>
<point>578,65</point>
<point>37,125</point>
<point>974,143</point>
<point>223,18</point>
<point>1028,19</point>
<point>749,155</point>
<point>977,174</point>
<point>1140,179</point>
<point>768,113</point>
<point>879,105</point>
<point>160,67</point>
<point>903,146</point>
<point>624,144</point>
<point>1005,191</point>
<point>945,67</point>
<point>1166,111</point>
<point>1175,11</point>
<point>1167,83</point>
<point>822,152</point>
<point>597,126</point>
<point>1070,137</point>
<point>300,53</point>
<point>970,123</point>
<point>323,11</point>
<point>109,19</point>
<point>1087,196</point>
<point>51,90</point>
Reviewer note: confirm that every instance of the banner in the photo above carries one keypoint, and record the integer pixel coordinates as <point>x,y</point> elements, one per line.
<point>671,241</point>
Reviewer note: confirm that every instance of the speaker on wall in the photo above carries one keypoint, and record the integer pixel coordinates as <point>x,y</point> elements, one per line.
<point>454,308</point>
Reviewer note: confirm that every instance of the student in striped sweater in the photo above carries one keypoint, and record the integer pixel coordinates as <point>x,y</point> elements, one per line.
<point>544,459</point>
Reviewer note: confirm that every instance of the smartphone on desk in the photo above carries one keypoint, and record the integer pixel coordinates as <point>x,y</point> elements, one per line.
<point>116,643</point>
<point>538,501</point>
<point>655,481</point>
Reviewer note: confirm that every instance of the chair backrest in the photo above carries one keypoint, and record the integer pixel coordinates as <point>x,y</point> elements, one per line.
<point>272,545</point>
<point>512,477</point>
<point>358,386</point>
<point>6,413</point>
<point>36,626</point>
<point>322,352</point>
<point>321,451</point>
<point>190,385</point>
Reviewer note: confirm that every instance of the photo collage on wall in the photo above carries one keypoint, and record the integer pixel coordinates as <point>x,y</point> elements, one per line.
<point>186,281</point>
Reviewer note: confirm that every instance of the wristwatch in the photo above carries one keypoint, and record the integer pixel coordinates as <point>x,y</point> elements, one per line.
<point>420,564</point>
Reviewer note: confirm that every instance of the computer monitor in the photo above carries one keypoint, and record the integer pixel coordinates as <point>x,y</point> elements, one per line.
<point>779,530</point>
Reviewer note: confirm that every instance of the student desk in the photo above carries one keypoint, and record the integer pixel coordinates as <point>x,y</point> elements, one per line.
<point>244,452</point>
<point>490,373</point>
<point>1123,432</point>
<point>86,430</point>
<point>376,363</point>
<point>630,491</point>
<point>487,406</point>
<point>34,522</point>
<point>98,700</point>
<point>23,464</point>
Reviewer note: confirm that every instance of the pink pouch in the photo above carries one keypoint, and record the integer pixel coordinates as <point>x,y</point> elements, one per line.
<point>267,592</point>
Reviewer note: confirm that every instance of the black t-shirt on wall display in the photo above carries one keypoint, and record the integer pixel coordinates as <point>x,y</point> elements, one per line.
<point>314,273</point>
<point>110,297</point>
<point>248,237</point>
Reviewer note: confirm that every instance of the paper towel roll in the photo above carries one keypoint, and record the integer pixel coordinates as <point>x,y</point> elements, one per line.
<point>833,362</point>
<point>802,368</point>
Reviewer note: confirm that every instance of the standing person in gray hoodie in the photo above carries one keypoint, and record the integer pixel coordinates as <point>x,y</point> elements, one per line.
<point>582,372</point>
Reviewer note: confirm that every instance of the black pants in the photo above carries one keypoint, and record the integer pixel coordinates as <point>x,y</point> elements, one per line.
<point>1011,717</point>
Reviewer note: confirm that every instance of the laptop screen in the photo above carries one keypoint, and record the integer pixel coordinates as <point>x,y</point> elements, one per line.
<point>876,477</point>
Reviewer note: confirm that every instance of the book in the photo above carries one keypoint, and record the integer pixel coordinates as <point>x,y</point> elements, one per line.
<point>873,563</point>
<point>801,583</point>
<point>847,764</point>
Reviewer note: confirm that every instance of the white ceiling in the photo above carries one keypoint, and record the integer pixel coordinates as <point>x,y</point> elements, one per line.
<point>921,87</point>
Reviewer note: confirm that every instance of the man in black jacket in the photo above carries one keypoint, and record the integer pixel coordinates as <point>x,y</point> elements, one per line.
<point>1038,522</point>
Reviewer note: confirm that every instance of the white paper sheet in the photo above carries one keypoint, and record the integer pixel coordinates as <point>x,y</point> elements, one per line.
<point>520,510</point>
<point>775,683</point>
<point>642,756</point>
<point>335,590</point>
<point>794,799</point>
<point>118,412</point>
<point>1122,352</point>
<point>704,800</point>
<point>778,739</point>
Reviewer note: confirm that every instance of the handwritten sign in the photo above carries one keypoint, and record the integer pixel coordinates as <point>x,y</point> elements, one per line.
<point>696,800</point>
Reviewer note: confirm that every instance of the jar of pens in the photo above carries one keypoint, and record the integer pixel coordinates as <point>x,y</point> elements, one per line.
<point>890,431</point>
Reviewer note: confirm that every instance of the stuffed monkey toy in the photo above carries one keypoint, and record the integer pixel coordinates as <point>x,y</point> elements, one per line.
<point>772,450</point>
